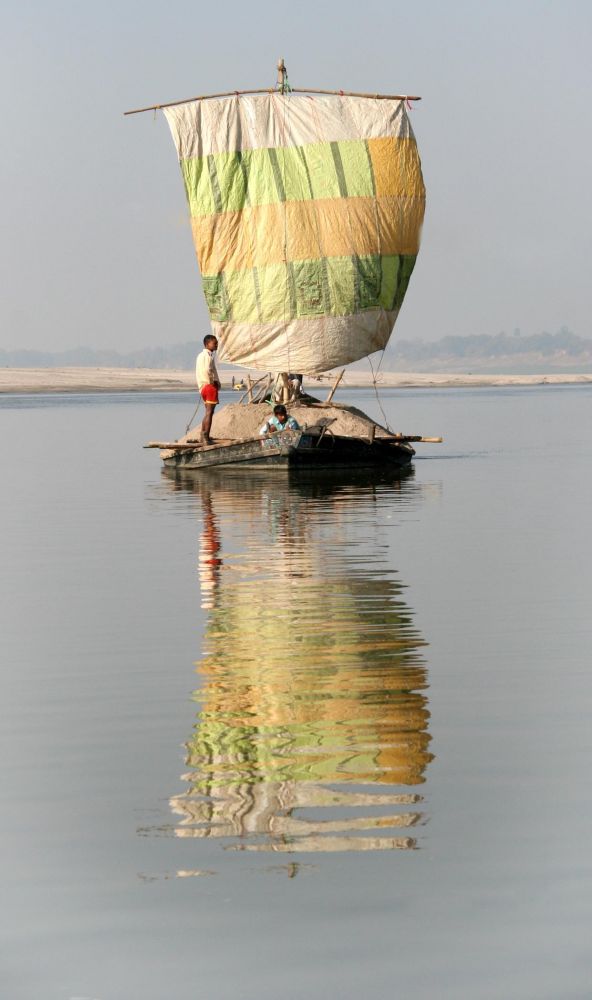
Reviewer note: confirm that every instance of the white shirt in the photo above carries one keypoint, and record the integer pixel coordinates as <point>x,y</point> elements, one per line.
<point>205,369</point>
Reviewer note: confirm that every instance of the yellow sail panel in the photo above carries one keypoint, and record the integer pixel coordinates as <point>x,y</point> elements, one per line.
<point>306,215</point>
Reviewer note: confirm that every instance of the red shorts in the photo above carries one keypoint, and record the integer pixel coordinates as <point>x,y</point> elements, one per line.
<point>209,393</point>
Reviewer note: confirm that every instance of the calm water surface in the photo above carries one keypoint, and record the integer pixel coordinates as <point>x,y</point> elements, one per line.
<point>270,738</point>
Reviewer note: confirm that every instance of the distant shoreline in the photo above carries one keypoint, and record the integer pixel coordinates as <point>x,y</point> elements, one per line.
<point>108,380</point>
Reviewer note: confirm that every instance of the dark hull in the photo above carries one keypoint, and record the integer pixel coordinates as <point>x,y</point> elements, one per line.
<point>297,450</point>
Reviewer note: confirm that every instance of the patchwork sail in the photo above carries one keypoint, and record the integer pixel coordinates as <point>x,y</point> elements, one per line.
<point>306,214</point>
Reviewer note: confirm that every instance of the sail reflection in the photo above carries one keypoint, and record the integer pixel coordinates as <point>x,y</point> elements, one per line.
<point>313,721</point>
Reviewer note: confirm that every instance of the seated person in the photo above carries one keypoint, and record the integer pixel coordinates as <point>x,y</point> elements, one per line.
<point>279,422</point>
<point>296,384</point>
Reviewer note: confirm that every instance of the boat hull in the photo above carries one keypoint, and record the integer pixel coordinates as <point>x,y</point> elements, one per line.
<point>297,450</point>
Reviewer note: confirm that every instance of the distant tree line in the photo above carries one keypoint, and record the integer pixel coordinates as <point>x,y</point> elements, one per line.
<point>179,356</point>
<point>182,356</point>
<point>492,346</point>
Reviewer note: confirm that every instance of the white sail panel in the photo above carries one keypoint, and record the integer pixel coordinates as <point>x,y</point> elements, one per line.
<point>204,128</point>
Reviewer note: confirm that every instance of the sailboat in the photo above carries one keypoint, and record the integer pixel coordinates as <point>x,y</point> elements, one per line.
<point>306,210</point>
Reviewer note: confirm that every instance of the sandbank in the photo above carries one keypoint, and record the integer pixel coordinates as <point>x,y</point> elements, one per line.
<point>89,380</point>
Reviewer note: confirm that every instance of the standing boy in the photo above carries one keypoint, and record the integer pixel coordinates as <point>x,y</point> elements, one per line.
<point>208,383</point>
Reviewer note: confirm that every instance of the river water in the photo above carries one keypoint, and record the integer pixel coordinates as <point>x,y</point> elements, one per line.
<point>271,738</point>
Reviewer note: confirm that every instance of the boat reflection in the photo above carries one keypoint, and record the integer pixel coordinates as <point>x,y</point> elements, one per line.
<point>313,725</point>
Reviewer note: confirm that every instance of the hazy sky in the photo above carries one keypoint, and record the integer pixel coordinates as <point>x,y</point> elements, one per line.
<point>96,246</point>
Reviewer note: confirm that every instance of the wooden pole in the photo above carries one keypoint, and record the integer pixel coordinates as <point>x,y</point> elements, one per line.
<point>263,389</point>
<point>196,445</point>
<point>285,387</point>
<point>413,437</point>
<point>356,93</point>
<point>335,384</point>
<point>173,445</point>
<point>268,90</point>
<point>256,382</point>
<point>250,389</point>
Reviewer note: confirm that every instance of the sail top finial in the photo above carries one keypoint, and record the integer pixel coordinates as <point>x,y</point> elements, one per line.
<point>282,75</point>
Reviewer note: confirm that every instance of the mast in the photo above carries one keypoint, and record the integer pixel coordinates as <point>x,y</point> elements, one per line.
<point>284,390</point>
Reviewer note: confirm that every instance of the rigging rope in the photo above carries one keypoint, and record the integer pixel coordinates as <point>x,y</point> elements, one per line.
<point>375,384</point>
<point>193,415</point>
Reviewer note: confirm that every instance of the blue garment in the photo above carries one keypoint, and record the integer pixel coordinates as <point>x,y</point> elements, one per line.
<point>291,424</point>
